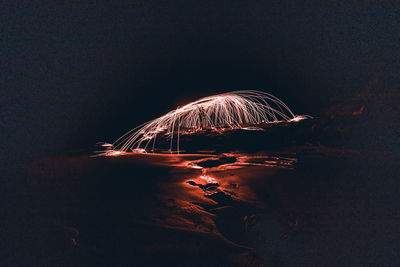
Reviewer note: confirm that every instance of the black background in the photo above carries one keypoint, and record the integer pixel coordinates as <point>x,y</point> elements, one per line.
<point>77,73</point>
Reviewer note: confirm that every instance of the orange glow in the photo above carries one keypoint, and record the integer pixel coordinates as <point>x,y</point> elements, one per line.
<point>245,110</point>
<point>359,112</point>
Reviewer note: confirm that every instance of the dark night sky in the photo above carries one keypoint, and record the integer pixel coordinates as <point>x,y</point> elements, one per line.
<point>75,74</point>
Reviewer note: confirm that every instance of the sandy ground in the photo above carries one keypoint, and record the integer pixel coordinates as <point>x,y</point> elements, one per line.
<point>200,209</point>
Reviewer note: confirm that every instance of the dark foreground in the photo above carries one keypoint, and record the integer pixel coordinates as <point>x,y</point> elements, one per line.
<point>327,196</point>
<point>311,206</point>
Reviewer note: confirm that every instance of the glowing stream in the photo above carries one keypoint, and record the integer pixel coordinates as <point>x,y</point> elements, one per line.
<point>233,110</point>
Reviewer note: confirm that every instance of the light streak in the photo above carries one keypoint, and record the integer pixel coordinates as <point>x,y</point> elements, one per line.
<point>233,110</point>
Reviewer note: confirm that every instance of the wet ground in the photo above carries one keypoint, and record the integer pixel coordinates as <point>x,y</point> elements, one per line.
<point>233,209</point>
<point>323,194</point>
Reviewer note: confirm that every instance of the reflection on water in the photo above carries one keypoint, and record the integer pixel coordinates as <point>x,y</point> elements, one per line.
<point>238,209</point>
<point>217,194</point>
<point>317,203</point>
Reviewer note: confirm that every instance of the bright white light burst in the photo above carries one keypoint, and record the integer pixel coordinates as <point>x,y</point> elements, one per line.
<point>233,110</point>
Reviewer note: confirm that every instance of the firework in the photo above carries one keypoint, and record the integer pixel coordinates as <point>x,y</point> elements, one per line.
<point>233,110</point>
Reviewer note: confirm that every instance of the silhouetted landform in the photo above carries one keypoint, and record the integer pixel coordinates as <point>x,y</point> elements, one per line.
<point>209,163</point>
<point>267,137</point>
<point>321,192</point>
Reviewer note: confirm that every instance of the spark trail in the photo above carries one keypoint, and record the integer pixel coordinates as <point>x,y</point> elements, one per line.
<point>233,110</point>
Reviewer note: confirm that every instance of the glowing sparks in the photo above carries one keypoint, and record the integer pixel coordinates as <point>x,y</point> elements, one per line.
<point>234,110</point>
<point>298,118</point>
<point>208,179</point>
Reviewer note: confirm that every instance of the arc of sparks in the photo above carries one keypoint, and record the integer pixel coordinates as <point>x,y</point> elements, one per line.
<point>233,110</point>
